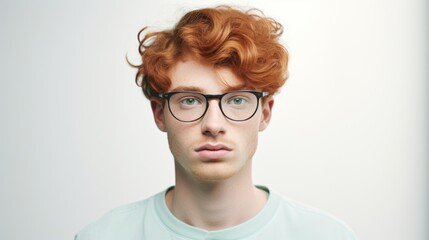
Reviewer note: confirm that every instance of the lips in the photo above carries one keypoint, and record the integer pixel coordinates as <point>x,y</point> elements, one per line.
<point>210,147</point>
<point>212,152</point>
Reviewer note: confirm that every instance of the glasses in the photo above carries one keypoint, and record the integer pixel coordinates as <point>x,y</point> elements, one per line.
<point>191,106</point>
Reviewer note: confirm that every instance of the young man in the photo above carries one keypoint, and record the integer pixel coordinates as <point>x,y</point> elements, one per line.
<point>210,82</point>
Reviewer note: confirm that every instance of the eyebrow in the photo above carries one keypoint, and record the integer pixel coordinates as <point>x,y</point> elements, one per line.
<point>187,89</point>
<point>198,89</point>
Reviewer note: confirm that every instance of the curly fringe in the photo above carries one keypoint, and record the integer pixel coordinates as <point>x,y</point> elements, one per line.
<point>247,42</point>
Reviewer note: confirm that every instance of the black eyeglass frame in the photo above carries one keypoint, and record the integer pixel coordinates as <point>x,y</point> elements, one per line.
<point>258,95</point>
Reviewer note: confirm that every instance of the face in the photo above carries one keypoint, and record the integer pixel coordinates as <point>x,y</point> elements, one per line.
<point>212,148</point>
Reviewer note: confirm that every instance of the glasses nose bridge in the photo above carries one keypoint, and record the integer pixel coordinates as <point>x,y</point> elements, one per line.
<point>218,97</point>
<point>209,97</point>
<point>213,96</point>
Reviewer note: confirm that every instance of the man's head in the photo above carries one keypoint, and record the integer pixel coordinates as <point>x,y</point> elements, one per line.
<point>205,79</point>
<point>246,42</point>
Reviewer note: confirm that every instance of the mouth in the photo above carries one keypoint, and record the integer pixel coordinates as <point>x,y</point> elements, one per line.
<point>210,147</point>
<point>212,152</point>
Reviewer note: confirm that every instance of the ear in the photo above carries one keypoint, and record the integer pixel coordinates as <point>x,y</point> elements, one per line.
<point>158,113</point>
<point>267,107</point>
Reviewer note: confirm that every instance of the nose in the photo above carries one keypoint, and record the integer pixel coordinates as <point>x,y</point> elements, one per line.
<point>213,122</point>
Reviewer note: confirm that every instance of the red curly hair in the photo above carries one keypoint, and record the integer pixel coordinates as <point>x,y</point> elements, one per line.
<point>247,42</point>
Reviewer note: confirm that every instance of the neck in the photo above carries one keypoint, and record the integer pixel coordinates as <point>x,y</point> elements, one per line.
<point>215,205</point>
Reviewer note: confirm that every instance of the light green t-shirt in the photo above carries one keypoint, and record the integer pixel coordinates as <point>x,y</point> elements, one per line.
<point>280,218</point>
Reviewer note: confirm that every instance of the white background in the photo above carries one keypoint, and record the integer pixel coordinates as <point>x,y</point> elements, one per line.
<point>348,135</point>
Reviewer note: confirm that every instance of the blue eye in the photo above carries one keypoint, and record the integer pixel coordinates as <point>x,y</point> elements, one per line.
<point>236,101</point>
<point>189,101</point>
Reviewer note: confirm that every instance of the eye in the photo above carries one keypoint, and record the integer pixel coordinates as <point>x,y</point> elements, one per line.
<point>237,101</point>
<point>189,101</point>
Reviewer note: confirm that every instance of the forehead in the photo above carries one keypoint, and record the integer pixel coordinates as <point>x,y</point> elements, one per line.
<point>193,75</point>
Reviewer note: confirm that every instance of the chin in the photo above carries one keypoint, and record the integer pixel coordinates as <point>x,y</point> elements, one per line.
<point>213,173</point>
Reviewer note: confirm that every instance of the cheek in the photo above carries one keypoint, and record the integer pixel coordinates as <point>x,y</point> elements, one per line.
<point>176,145</point>
<point>253,139</point>
<point>248,137</point>
<point>173,134</point>
<point>175,137</point>
<point>178,136</point>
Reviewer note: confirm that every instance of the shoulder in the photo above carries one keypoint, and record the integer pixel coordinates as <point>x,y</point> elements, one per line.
<point>121,221</point>
<point>312,223</point>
